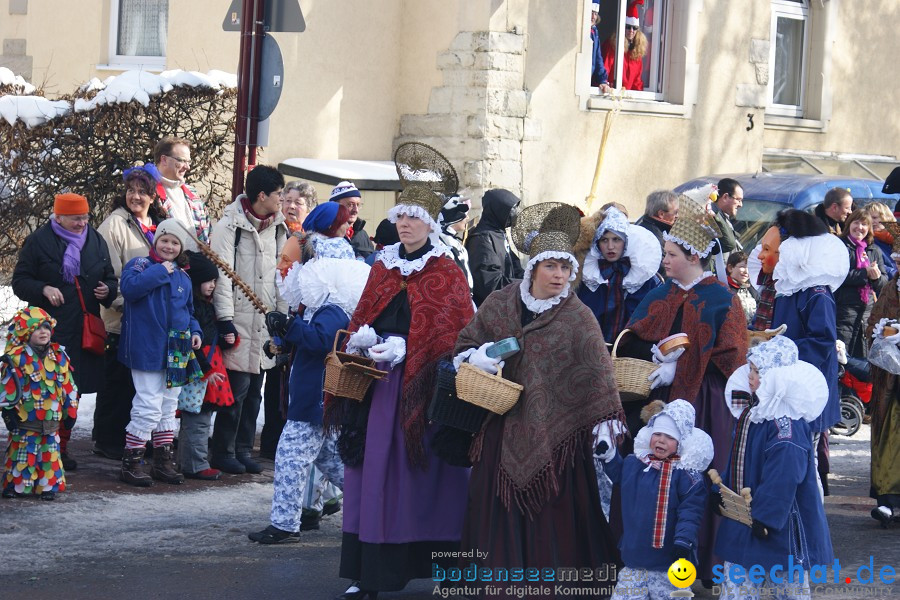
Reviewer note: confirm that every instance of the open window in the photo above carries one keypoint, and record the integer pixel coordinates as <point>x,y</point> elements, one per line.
<point>138,32</point>
<point>655,42</point>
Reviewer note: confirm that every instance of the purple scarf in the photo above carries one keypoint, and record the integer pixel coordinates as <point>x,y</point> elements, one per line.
<point>862,261</point>
<point>74,244</point>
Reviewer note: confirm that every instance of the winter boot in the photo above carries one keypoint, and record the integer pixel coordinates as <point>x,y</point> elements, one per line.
<point>164,465</point>
<point>132,472</point>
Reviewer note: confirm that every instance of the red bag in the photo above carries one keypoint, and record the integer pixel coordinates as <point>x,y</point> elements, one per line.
<point>93,332</point>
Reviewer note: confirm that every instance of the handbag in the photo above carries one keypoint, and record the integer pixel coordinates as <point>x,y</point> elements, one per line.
<point>93,332</point>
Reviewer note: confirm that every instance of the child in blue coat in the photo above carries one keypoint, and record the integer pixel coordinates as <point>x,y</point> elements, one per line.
<point>159,335</point>
<point>663,498</point>
<point>774,397</point>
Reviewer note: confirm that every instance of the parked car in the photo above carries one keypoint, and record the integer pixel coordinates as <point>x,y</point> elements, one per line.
<point>767,193</point>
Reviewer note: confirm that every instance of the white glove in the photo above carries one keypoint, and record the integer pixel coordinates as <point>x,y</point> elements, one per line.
<point>841,352</point>
<point>660,358</point>
<point>362,339</point>
<point>392,349</point>
<point>607,431</point>
<point>480,359</point>
<point>664,375</point>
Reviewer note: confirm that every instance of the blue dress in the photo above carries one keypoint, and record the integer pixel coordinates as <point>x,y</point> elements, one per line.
<point>811,319</point>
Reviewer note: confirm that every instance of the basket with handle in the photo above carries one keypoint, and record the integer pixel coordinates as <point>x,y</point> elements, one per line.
<point>631,374</point>
<point>349,375</point>
<point>447,409</point>
<point>488,391</point>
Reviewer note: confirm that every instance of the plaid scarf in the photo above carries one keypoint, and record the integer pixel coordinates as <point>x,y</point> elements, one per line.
<point>259,222</point>
<point>765,308</point>
<point>201,220</point>
<point>747,401</point>
<point>614,311</point>
<point>662,497</point>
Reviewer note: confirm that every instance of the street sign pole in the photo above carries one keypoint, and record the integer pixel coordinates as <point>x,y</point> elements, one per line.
<point>246,24</point>
<point>256,57</point>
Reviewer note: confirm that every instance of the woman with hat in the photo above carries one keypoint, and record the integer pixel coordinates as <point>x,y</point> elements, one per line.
<point>63,265</point>
<point>693,302</point>
<point>128,232</point>
<point>533,498</point>
<point>619,270</point>
<point>401,504</point>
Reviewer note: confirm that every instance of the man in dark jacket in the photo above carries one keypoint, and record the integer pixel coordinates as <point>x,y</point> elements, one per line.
<point>347,195</point>
<point>731,198</point>
<point>659,216</point>
<point>491,260</point>
<point>835,208</point>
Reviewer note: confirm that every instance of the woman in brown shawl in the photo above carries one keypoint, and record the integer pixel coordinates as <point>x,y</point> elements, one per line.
<point>886,406</point>
<point>533,499</point>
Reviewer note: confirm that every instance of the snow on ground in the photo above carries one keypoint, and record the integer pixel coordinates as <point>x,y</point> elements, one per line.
<point>83,526</point>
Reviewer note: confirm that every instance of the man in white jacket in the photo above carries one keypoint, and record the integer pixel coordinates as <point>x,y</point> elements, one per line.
<point>249,237</point>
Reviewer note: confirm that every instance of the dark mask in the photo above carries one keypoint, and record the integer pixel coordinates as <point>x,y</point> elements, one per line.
<point>513,215</point>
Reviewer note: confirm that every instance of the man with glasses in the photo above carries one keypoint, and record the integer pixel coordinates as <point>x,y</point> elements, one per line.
<point>173,160</point>
<point>347,195</point>
<point>731,198</point>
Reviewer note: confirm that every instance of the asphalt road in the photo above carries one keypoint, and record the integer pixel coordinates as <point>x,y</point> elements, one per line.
<point>102,539</point>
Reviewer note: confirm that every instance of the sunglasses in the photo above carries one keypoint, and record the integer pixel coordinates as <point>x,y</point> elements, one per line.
<point>631,27</point>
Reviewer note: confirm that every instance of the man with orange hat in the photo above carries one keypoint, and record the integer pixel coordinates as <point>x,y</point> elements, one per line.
<point>64,268</point>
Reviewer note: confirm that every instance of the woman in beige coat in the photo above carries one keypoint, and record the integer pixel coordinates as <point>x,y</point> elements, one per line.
<point>128,231</point>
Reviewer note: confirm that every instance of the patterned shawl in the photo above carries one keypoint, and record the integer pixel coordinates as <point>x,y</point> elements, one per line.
<point>569,387</point>
<point>440,306</point>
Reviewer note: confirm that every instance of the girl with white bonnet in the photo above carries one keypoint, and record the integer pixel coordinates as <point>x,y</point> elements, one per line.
<point>533,472</point>
<point>774,397</point>
<point>663,498</point>
<point>619,270</point>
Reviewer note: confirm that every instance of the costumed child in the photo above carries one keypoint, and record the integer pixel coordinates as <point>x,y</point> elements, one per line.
<point>159,335</point>
<point>322,292</point>
<point>37,394</point>
<point>663,497</point>
<point>199,399</point>
<point>739,283</point>
<point>775,398</point>
<point>619,270</point>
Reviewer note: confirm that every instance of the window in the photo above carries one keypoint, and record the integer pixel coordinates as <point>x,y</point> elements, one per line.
<point>788,44</point>
<point>138,32</point>
<point>664,79</point>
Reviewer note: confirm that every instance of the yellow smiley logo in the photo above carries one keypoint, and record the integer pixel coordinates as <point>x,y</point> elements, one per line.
<point>682,573</point>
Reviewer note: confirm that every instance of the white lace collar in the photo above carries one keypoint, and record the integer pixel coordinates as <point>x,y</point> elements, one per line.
<point>688,287</point>
<point>538,306</point>
<point>390,258</point>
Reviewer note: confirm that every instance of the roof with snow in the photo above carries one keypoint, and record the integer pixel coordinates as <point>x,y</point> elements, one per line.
<point>377,175</point>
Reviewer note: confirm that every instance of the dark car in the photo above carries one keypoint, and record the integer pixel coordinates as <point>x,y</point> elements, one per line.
<point>767,193</point>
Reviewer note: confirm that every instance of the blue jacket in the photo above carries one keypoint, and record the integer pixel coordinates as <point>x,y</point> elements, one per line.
<point>780,471</point>
<point>890,267</point>
<point>312,342</point>
<point>596,301</point>
<point>598,69</point>
<point>155,302</point>
<point>640,489</point>
<point>811,319</point>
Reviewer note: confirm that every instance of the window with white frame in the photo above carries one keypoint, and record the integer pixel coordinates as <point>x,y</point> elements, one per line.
<point>641,47</point>
<point>788,57</point>
<point>138,33</point>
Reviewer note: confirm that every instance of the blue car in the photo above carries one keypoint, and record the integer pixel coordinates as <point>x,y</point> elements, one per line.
<point>767,193</point>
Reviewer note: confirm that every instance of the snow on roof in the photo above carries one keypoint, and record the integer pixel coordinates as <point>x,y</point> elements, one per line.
<point>383,170</point>
<point>130,86</point>
<point>7,77</point>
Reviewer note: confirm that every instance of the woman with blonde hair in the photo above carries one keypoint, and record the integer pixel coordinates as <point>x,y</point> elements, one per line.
<point>635,50</point>
<point>884,235</point>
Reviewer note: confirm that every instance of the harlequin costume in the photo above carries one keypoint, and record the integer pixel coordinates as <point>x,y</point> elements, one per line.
<point>663,501</point>
<point>401,503</point>
<point>37,385</point>
<point>772,454</point>
<point>533,498</point>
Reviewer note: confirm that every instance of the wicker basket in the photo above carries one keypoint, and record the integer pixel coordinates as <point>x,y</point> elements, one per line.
<point>349,375</point>
<point>447,409</point>
<point>631,374</point>
<point>485,390</point>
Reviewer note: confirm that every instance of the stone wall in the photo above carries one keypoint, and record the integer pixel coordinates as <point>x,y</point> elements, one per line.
<point>480,116</point>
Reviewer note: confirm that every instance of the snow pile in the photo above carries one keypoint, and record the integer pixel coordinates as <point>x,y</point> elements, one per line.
<point>130,86</point>
<point>32,110</point>
<point>7,77</point>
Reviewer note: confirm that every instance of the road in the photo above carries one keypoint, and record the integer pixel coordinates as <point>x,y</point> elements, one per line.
<point>102,539</point>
